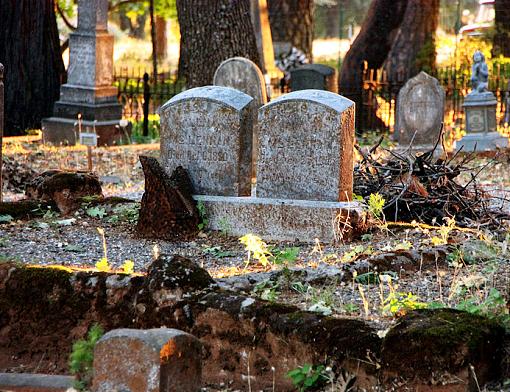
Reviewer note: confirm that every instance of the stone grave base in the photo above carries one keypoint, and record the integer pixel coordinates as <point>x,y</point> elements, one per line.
<point>62,131</point>
<point>482,142</point>
<point>281,219</point>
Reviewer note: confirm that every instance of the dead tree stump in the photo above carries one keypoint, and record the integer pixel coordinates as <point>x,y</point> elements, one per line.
<point>168,211</point>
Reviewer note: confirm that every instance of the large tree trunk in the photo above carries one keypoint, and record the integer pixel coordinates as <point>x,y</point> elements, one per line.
<point>371,45</point>
<point>292,22</point>
<point>414,48</point>
<point>502,36</point>
<point>211,32</point>
<point>30,52</point>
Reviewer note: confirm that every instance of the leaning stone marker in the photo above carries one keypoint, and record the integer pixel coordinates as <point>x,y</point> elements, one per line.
<point>306,147</point>
<point>208,131</point>
<point>155,360</point>
<point>420,112</point>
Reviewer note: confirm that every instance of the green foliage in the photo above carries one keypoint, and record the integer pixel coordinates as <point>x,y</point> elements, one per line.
<point>204,221</point>
<point>154,131</point>
<point>494,307</point>
<point>125,213</point>
<point>6,218</point>
<point>225,226</point>
<point>96,212</point>
<point>308,376</point>
<point>397,303</point>
<point>216,251</point>
<point>373,277</point>
<point>267,290</point>
<point>285,256</point>
<point>376,205</point>
<point>82,357</point>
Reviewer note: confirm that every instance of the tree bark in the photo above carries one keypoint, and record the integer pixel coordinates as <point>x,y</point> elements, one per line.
<point>371,45</point>
<point>414,48</point>
<point>30,52</point>
<point>211,32</point>
<point>161,38</point>
<point>501,43</point>
<point>292,21</point>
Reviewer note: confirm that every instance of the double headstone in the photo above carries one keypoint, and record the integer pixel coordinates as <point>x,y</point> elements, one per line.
<point>155,360</point>
<point>313,76</point>
<point>304,164</point>
<point>89,89</point>
<point>420,112</point>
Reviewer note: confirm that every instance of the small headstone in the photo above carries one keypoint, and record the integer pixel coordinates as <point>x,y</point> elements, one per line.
<point>243,75</point>
<point>480,111</point>
<point>420,112</point>
<point>313,76</point>
<point>155,360</point>
<point>208,131</point>
<point>306,147</point>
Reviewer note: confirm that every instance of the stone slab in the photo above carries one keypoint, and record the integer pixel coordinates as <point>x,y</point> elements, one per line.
<point>314,76</point>
<point>34,382</point>
<point>209,130</point>
<point>279,219</point>
<point>482,142</point>
<point>92,15</point>
<point>63,131</point>
<point>420,111</point>
<point>88,95</point>
<point>100,112</point>
<point>154,360</point>
<point>306,147</point>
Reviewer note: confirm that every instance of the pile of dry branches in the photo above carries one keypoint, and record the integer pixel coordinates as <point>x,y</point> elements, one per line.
<point>426,189</point>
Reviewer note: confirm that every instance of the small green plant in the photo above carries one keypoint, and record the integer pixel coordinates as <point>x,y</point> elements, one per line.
<point>6,218</point>
<point>267,290</point>
<point>125,213</point>
<point>96,212</point>
<point>225,226</point>
<point>397,303</point>
<point>204,221</point>
<point>376,205</point>
<point>82,358</point>
<point>308,376</point>
<point>256,248</point>
<point>285,256</point>
<point>494,307</point>
<point>444,232</point>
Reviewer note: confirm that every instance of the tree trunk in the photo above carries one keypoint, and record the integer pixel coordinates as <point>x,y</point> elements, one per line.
<point>292,22</point>
<point>30,52</point>
<point>153,41</point>
<point>414,48</point>
<point>161,39</point>
<point>371,45</point>
<point>502,37</point>
<point>211,32</point>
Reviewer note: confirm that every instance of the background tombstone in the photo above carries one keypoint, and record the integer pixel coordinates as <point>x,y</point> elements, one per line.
<point>420,112</point>
<point>314,76</point>
<point>306,147</point>
<point>244,75</point>
<point>89,89</point>
<point>155,360</point>
<point>208,131</point>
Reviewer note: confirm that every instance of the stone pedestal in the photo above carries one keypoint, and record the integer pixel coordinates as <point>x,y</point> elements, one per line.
<point>481,125</point>
<point>89,89</point>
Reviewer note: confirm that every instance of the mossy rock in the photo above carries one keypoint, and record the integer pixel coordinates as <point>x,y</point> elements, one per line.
<point>430,345</point>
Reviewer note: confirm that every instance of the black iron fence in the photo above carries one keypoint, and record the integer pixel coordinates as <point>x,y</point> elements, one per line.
<point>379,96</point>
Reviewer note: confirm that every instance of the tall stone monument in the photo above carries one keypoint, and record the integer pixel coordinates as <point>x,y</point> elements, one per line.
<point>89,89</point>
<point>480,111</point>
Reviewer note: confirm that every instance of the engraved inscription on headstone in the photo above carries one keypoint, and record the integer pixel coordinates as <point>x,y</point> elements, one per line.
<point>306,147</point>
<point>420,111</point>
<point>208,131</point>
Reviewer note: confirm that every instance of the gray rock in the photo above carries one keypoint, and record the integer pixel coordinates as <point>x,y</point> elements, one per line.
<point>306,147</point>
<point>420,112</point>
<point>155,360</point>
<point>208,131</point>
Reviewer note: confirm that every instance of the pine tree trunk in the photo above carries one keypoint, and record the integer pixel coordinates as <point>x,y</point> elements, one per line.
<point>414,48</point>
<point>502,37</point>
<point>371,45</point>
<point>30,52</point>
<point>211,32</point>
<point>292,22</point>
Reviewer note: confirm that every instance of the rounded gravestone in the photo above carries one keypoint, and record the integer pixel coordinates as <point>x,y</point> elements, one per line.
<point>420,111</point>
<point>306,147</point>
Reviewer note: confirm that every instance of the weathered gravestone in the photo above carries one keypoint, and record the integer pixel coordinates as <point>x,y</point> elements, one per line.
<point>420,112</point>
<point>155,360</point>
<point>480,112</point>
<point>244,75</point>
<point>89,89</point>
<point>304,173</point>
<point>313,76</point>
<point>208,131</point>
<point>306,147</point>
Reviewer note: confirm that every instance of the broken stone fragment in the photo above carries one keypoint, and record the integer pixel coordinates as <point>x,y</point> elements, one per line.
<point>65,189</point>
<point>167,211</point>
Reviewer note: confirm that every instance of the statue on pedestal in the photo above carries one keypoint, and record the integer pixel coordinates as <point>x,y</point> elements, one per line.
<point>479,74</point>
